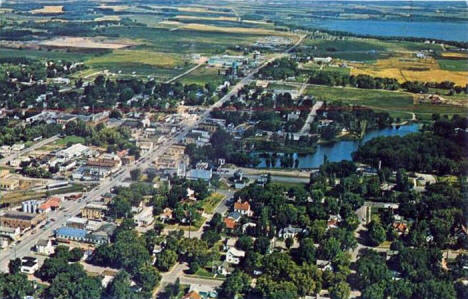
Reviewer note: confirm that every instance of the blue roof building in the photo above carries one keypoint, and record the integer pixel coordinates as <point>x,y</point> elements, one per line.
<point>200,174</point>
<point>71,233</point>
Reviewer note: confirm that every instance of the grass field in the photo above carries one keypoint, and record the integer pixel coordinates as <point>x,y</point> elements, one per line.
<point>70,139</point>
<point>202,76</point>
<point>138,56</point>
<point>210,203</point>
<point>398,104</point>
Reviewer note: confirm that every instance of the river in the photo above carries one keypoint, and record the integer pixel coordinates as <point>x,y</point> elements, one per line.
<point>341,150</point>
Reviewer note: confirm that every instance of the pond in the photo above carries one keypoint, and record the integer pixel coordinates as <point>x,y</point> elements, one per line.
<point>341,150</point>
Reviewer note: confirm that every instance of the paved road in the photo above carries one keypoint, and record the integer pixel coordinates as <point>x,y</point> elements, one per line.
<point>73,208</point>
<point>35,146</point>
<point>186,72</point>
<point>310,118</point>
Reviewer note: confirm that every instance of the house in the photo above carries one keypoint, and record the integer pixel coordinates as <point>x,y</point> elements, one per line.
<point>243,208</point>
<point>248,225</point>
<point>333,221</point>
<point>145,217</point>
<point>230,223</point>
<point>29,265</point>
<point>234,255</point>
<point>236,216</point>
<point>225,269</point>
<point>192,295</point>
<point>289,232</point>
<point>44,247</point>
<point>166,215</point>
<point>400,227</point>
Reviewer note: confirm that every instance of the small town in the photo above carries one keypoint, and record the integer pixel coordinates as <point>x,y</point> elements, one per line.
<point>187,150</point>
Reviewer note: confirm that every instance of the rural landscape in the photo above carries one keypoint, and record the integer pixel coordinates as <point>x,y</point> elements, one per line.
<point>188,149</point>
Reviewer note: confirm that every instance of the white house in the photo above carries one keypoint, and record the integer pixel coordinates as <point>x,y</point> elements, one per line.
<point>234,255</point>
<point>44,247</point>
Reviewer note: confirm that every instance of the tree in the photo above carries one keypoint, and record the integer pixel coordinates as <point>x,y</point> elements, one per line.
<point>210,237</point>
<point>120,287</point>
<point>148,278</point>
<point>377,233</point>
<point>135,174</point>
<point>166,259</point>
<point>262,245</point>
<point>402,183</point>
<point>307,251</point>
<point>289,242</point>
<point>14,266</point>
<point>341,290</point>
<point>371,269</point>
<point>237,283</point>
<point>76,254</point>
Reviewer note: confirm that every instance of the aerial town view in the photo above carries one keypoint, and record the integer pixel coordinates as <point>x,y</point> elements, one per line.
<point>248,149</point>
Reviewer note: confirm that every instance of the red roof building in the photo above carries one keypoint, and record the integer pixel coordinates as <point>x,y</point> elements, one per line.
<point>50,204</point>
<point>242,208</point>
<point>230,223</point>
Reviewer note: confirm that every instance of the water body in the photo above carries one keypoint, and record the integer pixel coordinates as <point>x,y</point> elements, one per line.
<point>341,150</point>
<point>453,31</point>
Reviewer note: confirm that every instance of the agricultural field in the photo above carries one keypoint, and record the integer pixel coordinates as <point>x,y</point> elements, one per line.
<point>398,104</point>
<point>409,68</point>
<point>49,10</point>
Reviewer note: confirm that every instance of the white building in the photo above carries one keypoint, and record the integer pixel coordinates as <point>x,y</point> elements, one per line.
<point>44,247</point>
<point>74,151</point>
<point>234,255</point>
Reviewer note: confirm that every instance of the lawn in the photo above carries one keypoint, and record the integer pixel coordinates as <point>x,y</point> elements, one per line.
<point>70,139</point>
<point>143,57</point>
<point>211,202</point>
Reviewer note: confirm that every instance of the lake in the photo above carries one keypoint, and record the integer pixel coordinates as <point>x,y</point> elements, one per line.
<point>342,150</point>
<point>454,31</point>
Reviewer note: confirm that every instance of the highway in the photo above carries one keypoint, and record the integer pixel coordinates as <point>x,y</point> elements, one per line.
<point>74,207</point>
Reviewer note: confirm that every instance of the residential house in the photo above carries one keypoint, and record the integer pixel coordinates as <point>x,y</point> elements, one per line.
<point>166,215</point>
<point>243,208</point>
<point>234,255</point>
<point>289,232</point>
<point>230,223</point>
<point>44,247</point>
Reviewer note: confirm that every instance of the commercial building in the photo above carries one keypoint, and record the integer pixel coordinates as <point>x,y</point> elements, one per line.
<point>49,205</point>
<point>10,232</point>
<point>94,211</point>
<point>9,184</point>
<point>20,219</point>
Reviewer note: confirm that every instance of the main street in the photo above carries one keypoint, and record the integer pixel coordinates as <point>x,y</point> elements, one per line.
<point>74,207</point>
